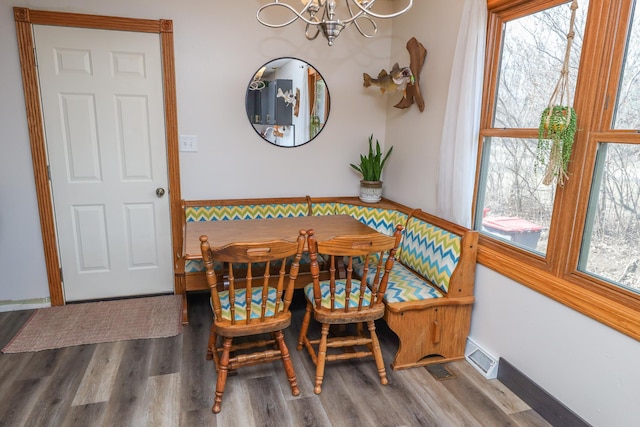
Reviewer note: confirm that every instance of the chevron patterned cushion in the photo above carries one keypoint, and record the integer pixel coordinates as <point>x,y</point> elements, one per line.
<point>196,265</point>
<point>403,285</point>
<point>241,303</point>
<point>233,212</point>
<point>431,251</point>
<point>328,208</point>
<point>340,294</point>
<point>380,219</point>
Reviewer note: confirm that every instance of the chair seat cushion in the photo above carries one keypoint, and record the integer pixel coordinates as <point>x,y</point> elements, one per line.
<point>241,303</point>
<point>404,285</point>
<point>340,294</point>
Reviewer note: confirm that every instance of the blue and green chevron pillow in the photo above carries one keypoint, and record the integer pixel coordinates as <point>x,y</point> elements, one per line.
<point>324,208</point>
<point>197,265</point>
<point>380,219</point>
<point>431,251</point>
<point>233,212</point>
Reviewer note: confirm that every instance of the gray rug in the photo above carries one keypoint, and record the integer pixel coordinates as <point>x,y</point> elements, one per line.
<point>96,322</point>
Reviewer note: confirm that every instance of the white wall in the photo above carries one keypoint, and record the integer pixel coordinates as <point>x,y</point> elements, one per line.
<point>586,365</point>
<point>21,259</point>
<point>591,368</point>
<point>415,135</point>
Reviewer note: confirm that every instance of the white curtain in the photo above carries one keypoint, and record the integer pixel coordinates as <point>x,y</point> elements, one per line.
<point>459,146</point>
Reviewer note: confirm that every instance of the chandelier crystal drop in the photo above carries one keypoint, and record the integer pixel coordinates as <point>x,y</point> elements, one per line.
<point>322,16</point>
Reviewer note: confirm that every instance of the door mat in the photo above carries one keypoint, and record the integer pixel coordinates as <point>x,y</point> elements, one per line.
<point>96,322</point>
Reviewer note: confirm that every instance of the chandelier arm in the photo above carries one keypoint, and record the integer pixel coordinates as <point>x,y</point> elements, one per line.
<point>358,14</point>
<point>298,15</point>
<point>367,11</point>
<point>362,32</point>
<point>330,25</point>
<point>306,32</point>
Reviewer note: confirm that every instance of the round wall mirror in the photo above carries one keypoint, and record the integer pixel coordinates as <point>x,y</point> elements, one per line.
<point>287,102</point>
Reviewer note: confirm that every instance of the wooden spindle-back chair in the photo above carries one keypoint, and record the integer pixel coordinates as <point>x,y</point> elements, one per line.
<point>268,310</point>
<point>343,299</point>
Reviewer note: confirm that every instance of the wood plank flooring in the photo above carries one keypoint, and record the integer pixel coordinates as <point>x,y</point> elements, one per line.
<point>168,382</point>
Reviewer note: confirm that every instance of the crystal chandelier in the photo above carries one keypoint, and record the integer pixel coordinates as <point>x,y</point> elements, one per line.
<point>321,15</point>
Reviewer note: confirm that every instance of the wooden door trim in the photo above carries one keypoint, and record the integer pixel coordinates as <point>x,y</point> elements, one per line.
<point>24,19</point>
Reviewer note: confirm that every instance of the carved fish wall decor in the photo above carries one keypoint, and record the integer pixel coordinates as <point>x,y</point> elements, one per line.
<point>406,79</point>
<point>396,80</point>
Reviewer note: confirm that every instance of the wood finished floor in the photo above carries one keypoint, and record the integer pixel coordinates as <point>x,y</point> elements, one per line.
<point>168,382</point>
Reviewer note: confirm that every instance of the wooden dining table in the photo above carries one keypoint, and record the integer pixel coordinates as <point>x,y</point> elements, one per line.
<point>221,233</point>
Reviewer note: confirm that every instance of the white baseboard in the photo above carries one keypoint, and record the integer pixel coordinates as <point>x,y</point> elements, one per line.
<point>482,360</point>
<point>29,304</point>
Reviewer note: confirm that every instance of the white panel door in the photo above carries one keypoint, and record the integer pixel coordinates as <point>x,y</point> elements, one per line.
<point>104,124</point>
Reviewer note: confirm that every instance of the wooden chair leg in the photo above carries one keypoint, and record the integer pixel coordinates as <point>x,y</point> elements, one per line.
<point>305,326</point>
<point>222,375</point>
<point>211,348</point>
<point>216,354</point>
<point>377,353</point>
<point>361,334</point>
<point>360,329</point>
<point>286,361</point>
<point>322,357</point>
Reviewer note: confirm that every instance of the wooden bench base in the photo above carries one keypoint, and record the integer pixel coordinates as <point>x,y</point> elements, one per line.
<point>433,334</point>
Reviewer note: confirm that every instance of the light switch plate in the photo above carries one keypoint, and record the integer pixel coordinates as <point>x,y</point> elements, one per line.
<point>189,143</point>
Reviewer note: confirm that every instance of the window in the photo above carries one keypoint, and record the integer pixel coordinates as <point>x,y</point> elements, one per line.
<point>514,205</point>
<point>611,239</point>
<point>580,242</point>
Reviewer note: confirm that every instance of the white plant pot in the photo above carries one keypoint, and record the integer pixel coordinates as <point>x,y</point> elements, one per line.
<point>370,191</point>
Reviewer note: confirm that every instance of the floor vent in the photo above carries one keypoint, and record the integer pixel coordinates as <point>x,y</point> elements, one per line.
<point>480,359</point>
<point>440,372</point>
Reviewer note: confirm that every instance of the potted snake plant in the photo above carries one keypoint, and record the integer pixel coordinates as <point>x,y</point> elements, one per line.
<point>370,168</point>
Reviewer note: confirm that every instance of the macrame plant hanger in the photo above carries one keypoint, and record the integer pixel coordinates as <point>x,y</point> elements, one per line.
<point>558,122</point>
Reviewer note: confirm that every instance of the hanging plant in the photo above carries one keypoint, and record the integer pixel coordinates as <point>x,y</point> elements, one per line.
<point>558,123</point>
<point>555,141</point>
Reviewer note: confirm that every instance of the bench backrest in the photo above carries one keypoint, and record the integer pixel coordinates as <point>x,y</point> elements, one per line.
<point>431,251</point>
<point>323,208</point>
<point>253,211</point>
<point>383,219</point>
<point>235,209</point>
<point>431,246</point>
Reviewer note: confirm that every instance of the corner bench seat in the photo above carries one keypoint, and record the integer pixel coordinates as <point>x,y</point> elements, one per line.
<point>404,284</point>
<point>430,293</point>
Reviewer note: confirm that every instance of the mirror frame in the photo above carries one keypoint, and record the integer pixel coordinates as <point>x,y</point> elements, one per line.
<point>287,96</point>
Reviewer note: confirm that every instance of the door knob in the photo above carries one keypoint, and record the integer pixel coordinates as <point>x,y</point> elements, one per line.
<point>159,191</point>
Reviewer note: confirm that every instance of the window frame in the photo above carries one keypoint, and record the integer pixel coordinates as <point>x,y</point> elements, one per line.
<point>556,275</point>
